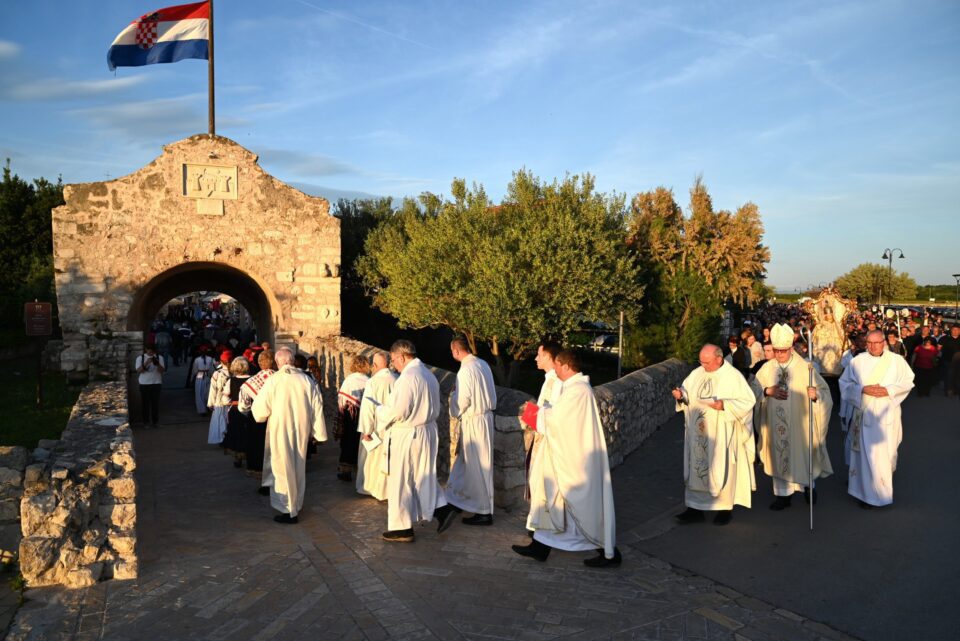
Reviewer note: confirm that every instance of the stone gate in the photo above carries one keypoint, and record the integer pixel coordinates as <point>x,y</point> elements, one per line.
<point>202,216</point>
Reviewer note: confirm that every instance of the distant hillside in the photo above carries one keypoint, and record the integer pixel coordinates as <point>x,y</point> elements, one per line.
<point>331,193</point>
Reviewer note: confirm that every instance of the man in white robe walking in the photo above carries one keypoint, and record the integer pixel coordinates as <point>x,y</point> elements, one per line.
<point>470,486</point>
<point>571,502</point>
<point>785,410</point>
<point>372,462</point>
<point>718,444</point>
<point>549,394</point>
<point>291,405</point>
<point>875,383</point>
<point>410,419</point>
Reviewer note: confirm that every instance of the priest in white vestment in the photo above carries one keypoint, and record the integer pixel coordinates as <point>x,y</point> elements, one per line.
<point>786,405</point>
<point>718,444</point>
<point>372,459</point>
<point>571,497</point>
<point>200,372</point>
<point>875,384</point>
<point>470,486</point>
<point>291,405</point>
<point>549,394</point>
<point>410,419</point>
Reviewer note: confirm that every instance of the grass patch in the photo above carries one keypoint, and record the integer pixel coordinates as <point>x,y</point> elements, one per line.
<point>21,421</point>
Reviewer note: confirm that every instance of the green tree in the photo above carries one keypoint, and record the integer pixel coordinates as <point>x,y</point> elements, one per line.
<point>548,258</point>
<point>357,219</point>
<point>694,266</point>
<point>870,282</point>
<point>26,254</point>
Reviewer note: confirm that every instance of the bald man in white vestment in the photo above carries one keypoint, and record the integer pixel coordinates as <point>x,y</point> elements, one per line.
<point>410,419</point>
<point>470,486</point>
<point>875,383</point>
<point>718,444</point>
<point>291,405</point>
<point>372,462</point>
<point>571,497</point>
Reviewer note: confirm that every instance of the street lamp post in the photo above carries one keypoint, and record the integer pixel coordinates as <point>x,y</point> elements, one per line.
<point>956,301</point>
<point>888,256</point>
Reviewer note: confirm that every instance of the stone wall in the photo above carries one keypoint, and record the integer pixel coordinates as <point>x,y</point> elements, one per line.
<point>201,216</point>
<point>13,462</point>
<point>78,511</point>
<point>631,409</point>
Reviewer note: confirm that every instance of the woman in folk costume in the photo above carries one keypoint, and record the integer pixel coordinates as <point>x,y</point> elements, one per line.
<point>233,440</point>
<point>200,372</point>
<point>348,410</point>
<point>218,400</point>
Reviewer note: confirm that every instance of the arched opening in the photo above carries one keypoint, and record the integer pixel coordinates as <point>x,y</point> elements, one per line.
<point>209,276</point>
<point>195,277</point>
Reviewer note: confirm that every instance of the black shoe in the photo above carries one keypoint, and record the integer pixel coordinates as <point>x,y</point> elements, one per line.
<point>806,495</point>
<point>285,518</point>
<point>723,517</point>
<point>263,490</point>
<point>690,515</point>
<point>780,503</point>
<point>344,476</point>
<point>600,561</point>
<point>536,550</point>
<point>478,519</point>
<point>445,516</point>
<point>398,536</point>
<point>864,505</point>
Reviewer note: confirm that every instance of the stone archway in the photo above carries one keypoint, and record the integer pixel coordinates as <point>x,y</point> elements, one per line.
<point>203,215</point>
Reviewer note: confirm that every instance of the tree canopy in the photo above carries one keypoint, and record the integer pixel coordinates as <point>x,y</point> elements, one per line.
<point>694,265</point>
<point>548,258</point>
<point>872,282</point>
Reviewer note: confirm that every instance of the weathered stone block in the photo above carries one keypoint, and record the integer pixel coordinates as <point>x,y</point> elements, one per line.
<point>32,475</point>
<point>9,510</point>
<point>10,476</point>
<point>122,516</point>
<point>83,577</point>
<point>125,569</point>
<point>37,555</point>
<point>35,510</point>
<point>124,543</point>
<point>14,457</point>
<point>123,459</point>
<point>122,488</point>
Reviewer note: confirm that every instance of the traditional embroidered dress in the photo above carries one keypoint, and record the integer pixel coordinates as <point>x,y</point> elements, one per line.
<point>348,409</point>
<point>256,432</point>
<point>410,418</point>
<point>236,423</point>
<point>372,464</point>
<point>201,371</point>
<point>470,486</point>
<point>290,403</point>
<point>718,445</point>
<point>875,427</point>
<point>219,399</point>
<point>785,427</point>
<point>571,502</point>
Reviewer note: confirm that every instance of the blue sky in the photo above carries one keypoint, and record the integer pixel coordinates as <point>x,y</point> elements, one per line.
<point>839,119</point>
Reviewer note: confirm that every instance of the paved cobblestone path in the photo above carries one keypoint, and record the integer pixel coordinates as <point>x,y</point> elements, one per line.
<point>214,565</point>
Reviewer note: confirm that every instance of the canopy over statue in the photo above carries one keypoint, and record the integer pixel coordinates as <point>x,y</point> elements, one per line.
<point>828,311</point>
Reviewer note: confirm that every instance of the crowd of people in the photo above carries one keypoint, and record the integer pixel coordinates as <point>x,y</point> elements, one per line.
<point>755,398</point>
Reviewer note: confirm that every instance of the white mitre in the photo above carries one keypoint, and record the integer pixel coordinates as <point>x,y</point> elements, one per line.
<point>781,336</point>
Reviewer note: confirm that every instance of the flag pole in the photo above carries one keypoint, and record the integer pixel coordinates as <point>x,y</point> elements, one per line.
<point>212,122</point>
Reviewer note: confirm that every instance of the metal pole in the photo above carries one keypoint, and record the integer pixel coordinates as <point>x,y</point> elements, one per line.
<point>810,406</point>
<point>39,373</point>
<point>620,347</point>
<point>212,121</point>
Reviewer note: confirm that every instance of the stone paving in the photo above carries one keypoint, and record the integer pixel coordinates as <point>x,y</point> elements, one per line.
<point>213,565</point>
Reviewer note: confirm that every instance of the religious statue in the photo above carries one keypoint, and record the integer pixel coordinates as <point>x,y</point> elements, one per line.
<point>828,311</point>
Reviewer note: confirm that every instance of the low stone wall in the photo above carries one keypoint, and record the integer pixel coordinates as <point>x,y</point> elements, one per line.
<point>13,462</point>
<point>631,409</point>
<point>635,406</point>
<point>78,511</point>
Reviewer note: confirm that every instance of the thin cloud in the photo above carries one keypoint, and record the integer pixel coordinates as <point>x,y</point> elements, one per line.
<point>57,89</point>
<point>9,49</point>
<point>365,25</point>
<point>304,164</point>
<point>148,120</point>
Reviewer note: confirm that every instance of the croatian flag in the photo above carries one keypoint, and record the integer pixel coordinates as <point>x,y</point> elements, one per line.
<point>166,35</point>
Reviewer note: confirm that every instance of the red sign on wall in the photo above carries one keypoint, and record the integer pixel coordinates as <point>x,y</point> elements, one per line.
<point>38,319</point>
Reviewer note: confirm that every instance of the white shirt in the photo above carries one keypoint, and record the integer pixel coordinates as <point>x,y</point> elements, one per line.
<point>151,374</point>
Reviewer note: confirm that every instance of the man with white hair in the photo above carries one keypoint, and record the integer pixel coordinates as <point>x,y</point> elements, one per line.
<point>875,383</point>
<point>410,419</point>
<point>785,407</point>
<point>291,405</point>
<point>372,461</point>
<point>474,398</point>
<point>718,445</point>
